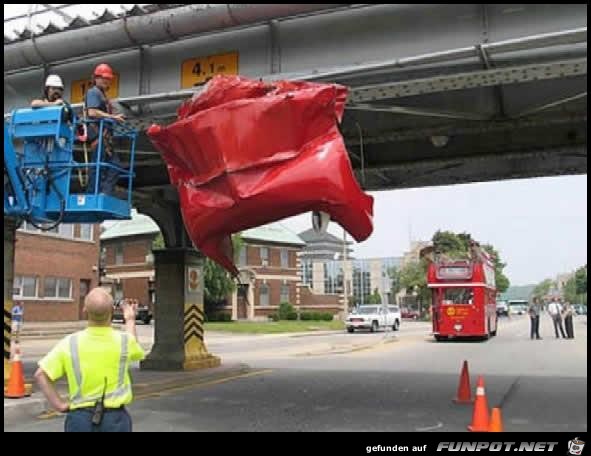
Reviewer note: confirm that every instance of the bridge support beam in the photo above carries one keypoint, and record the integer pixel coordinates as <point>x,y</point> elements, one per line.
<point>179,314</point>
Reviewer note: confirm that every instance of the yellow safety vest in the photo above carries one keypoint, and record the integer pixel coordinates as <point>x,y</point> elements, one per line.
<point>89,357</point>
<point>123,389</point>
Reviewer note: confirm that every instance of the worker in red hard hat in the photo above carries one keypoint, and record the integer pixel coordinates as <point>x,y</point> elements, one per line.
<point>97,106</point>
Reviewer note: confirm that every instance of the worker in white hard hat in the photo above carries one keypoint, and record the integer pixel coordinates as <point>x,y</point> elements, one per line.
<point>53,93</point>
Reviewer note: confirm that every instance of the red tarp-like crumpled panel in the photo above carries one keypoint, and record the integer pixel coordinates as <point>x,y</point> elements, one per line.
<point>245,153</point>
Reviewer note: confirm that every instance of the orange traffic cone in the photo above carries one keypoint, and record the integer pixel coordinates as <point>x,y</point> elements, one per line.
<point>464,395</point>
<point>16,383</point>
<point>496,421</point>
<point>480,414</point>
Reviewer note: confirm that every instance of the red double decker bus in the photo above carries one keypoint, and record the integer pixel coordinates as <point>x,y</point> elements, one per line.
<point>463,297</point>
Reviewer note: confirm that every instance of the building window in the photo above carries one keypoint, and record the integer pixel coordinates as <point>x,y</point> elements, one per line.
<point>26,226</point>
<point>86,231</point>
<point>284,258</point>
<point>25,287</point>
<point>264,252</point>
<point>361,282</point>
<point>307,274</point>
<point>57,288</point>
<point>242,256</point>
<point>264,294</point>
<point>284,292</point>
<point>118,291</point>
<point>118,254</point>
<point>64,230</point>
<point>333,277</point>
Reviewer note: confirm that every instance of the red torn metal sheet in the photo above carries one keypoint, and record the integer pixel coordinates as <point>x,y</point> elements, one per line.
<point>244,153</point>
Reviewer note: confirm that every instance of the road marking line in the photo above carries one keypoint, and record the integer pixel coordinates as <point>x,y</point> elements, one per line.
<point>430,428</point>
<point>48,414</point>
<point>196,385</point>
<point>53,414</point>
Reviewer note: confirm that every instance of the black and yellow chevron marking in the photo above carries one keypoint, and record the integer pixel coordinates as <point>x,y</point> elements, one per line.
<point>7,330</point>
<point>193,326</point>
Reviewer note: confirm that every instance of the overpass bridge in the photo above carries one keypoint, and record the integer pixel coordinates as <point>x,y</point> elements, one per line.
<point>440,94</point>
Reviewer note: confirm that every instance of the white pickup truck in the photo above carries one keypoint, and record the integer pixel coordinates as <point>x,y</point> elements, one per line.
<point>374,317</point>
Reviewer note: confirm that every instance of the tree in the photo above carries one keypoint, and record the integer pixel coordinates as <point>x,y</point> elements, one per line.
<point>543,288</point>
<point>217,282</point>
<point>395,286</point>
<point>570,290</point>
<point>158,242</point>
<point>413,277</point>
<point>581,280</point>
<point>374,298</point>
<point>501,280</point>
<point>450,244</point>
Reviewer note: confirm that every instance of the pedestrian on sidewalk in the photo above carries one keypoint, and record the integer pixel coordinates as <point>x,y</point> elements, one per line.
<point>16,316</point>
<point>534,311</point>
<point>95,362</point>
<point>568,313</point>
<point>555,311</point>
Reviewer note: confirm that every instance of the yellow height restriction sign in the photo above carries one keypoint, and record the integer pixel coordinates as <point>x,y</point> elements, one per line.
<point>200,70</point>
<point>80,87</point>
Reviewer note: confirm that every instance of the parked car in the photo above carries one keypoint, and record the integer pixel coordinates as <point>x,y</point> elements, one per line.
<point>396,315</point>
<point>580,309</point>
<point>502,309</point>
<point>374,318</point>
<point>143,313</point>
<point>410,313</point>
<point>518,306</point>
<point>518,309</point>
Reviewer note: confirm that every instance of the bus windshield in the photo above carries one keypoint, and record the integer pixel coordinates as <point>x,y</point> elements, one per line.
<point>457,296</point>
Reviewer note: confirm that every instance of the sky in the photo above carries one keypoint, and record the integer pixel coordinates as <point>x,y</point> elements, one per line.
<point>539,226</point>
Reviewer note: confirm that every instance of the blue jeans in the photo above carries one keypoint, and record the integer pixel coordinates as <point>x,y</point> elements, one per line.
<point>108,177</point>
<point>115,420</point>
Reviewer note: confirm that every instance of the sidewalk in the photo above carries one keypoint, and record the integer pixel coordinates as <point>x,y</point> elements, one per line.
<point>51,330</point>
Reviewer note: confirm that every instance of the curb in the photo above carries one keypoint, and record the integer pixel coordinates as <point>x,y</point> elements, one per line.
<point>352,349</point>
<point>30,407</point>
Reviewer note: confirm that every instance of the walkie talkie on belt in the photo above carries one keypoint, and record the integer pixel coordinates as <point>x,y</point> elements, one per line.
<point>99,408</point>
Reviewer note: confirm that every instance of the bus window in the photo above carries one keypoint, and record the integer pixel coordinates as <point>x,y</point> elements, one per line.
<point>457,296</point>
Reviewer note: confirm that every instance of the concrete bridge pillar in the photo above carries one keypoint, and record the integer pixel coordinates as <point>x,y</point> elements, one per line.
<point>179,309</point>
<point>179,314</point>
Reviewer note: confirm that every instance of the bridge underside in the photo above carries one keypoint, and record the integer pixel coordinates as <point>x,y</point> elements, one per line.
<point>417,141</point>
<point>440,94</point>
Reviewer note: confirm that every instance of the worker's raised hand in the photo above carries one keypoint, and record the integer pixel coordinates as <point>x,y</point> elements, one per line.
<point>129,308</point>
<point>118,117</point>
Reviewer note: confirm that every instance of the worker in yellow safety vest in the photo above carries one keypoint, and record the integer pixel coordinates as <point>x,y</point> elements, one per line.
<point>95,362</point>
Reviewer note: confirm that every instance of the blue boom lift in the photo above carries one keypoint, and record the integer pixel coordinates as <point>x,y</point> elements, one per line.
<point>40,169</point>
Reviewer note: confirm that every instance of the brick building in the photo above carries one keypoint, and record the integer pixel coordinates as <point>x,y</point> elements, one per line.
<point>126,258</point>
<point>269,264</point>
<point>268,272</point>
<point>54,270</point>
